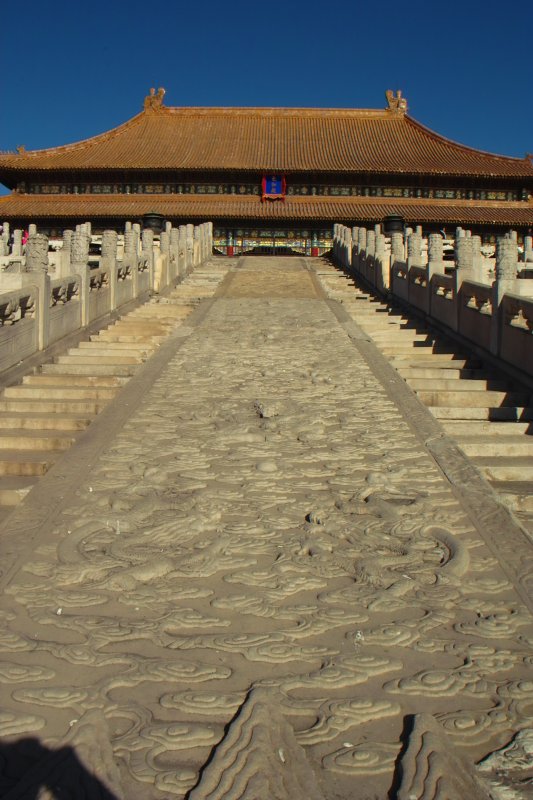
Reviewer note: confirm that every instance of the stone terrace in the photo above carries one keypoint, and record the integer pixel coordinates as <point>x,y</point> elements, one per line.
<point>255,575</point>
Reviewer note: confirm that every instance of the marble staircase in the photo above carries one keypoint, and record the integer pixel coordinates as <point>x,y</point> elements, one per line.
<point>45,414</point>
<point>488,414</point>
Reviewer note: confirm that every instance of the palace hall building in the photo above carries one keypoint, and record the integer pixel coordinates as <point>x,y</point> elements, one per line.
<point>268,177</point>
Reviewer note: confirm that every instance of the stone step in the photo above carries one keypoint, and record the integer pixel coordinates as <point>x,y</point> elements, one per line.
<point>458,428</point>
<point>517,494</point>
<point>133,347</point>
<point>13,462</point>
<point>25,406</point>
<point>66,379</point>
<point>380,325</point>
<point>144,332</point>
<point>419,349</point>
<point>127,338</point>
<point>465,385</point>
<point>496,414</point>
<point>34,440</point>
<point>149,326</point>
<point>486,399</point>
<point>123,371</point>
<point>168,310</point>
<point>447,372</point>
<point>505,468</point>
<point>436,361</point>
<point>25,392</point>
<point>105,350</point>
<point>14,488</point>
<point>482,446</point>
<point>82,357</point>
<point>401,336</point>
<point>423,355</point>
<point>43,421</point>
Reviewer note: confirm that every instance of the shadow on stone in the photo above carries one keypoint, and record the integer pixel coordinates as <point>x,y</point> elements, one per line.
<point>47,773</point>
<point>82,767</point>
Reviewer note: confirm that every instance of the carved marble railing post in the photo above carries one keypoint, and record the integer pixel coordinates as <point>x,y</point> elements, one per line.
<point>464,259</point>
<point>355,248</point>
<point>190,246</point>
<point>17,243</point>
<point>477,258</point>
<point>136,229</point>
<point>109,247</point>
<point>361,249</point>
<point>129,258</point>
<point>382,262</point>
<point>161,263</point>
<point>36,273</point>
<point>397,248</point>
<point>201,243</point>
<point>206,252</point>
<point>66,254</point>
<point>414,250</point>
<point>435,251</point>
<point>528,249</point>
<point>370,255</point>
<point>197,248</point>
<point>505,283</point>
<point>79,266</point>
<point>174,253</point>
<point>347,248</point>
<point>182,251</point>
<point>4,240</point>
<point>129,242</point>
<point>108,261</point>
<point>209,239</point>
<point>147,254</point>
<point>80,247</point>
<point>32,229</point>
<point>408,231</point>
<point>334,243</point>
<point>37,253</point>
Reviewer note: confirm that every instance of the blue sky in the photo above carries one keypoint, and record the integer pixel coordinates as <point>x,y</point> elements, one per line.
<point>71,70</point>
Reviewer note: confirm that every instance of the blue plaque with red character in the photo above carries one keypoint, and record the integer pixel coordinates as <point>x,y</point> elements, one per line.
<point>274,187</point>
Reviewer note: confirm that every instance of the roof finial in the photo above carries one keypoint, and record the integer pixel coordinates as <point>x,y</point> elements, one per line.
<point>397,103</point>
<point>154,100</point>
<point>21,149</point>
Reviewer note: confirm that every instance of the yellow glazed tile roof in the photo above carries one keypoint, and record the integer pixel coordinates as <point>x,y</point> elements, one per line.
<point>249,207</point>
<point>271,139</point>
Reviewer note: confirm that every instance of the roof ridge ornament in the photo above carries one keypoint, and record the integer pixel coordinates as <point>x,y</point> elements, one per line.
<point>154,100</point>
<point>397,103</point>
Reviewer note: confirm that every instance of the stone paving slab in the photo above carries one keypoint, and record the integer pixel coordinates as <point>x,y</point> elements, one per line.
<point>256,564</point>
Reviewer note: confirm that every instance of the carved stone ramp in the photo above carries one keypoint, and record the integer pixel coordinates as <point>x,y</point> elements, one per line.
<point>259,758</point>
<point>267,504</point>
<point>45,414</point>
<point>432,768</point>
<point>486,412</point>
